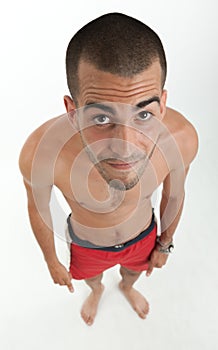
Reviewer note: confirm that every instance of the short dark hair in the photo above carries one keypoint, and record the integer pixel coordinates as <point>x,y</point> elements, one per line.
<point>114,43</point>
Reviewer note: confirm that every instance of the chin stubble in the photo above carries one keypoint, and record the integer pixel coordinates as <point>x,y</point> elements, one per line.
<point>117,183</point>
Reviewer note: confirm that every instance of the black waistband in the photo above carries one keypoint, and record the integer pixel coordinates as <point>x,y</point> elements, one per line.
<point>116,248</point>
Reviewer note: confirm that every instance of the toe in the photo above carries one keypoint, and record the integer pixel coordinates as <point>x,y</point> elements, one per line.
<point>84,317</point>
<point>90,321</point>
<point>142,315</point>
<point>87,319</point>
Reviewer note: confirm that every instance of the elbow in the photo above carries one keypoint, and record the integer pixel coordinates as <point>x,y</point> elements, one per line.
<point>175,200</point>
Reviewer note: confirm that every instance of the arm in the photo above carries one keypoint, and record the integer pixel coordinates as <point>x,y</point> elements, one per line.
<point>170,212</point>
<point>38,195</point>
<point>173,195</point>
<point>40,220</point>
<point>41,223</point>
<point>171,206</point>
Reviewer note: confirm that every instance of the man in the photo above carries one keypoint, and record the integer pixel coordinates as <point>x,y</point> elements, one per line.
<point>117,143</point>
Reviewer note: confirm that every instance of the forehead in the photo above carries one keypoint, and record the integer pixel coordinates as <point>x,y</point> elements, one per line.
<point>96,85</point>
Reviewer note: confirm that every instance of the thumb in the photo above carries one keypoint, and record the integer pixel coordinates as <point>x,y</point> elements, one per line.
<point>150,269</point>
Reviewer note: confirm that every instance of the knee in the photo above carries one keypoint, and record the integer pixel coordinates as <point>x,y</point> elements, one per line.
<point>94,279</point>
<point>126,272</point>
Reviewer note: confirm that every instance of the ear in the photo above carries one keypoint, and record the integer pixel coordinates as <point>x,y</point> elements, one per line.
<point>69,103</point>
<point>163,102</point>
<point>71,110</point>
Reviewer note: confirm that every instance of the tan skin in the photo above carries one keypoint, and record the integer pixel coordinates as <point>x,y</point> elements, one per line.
<point>126,213</point>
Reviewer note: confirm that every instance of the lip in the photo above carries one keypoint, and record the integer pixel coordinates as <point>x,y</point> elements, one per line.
<point>122,166</point>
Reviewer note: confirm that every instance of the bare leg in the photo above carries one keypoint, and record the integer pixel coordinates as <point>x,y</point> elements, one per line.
<point>138,302</point>
<point>89,308</point>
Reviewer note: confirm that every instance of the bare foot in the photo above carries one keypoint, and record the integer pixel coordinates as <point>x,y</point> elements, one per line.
<point>89,308</point>
<point>136,299</point>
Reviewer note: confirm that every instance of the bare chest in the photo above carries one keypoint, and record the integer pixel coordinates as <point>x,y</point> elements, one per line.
<point>84,188</point>
<point>103,215</point>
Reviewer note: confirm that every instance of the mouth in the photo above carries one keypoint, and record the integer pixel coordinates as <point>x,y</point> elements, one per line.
<point>122,165</point>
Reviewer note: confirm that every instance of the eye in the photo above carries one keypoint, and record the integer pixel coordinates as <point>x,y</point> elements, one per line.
<point>144,115</point>
<point>101,119</point>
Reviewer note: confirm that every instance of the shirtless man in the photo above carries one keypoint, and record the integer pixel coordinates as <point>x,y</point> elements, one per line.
<point>115,145</point>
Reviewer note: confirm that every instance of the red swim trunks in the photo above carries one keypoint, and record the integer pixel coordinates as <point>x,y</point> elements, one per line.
<point>88,262</point>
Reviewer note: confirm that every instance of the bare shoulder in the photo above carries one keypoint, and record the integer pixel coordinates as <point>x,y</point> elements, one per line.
<point>184,133</point>
<point>31,145</point>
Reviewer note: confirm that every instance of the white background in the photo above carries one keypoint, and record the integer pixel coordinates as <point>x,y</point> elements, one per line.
<point>35,313</point>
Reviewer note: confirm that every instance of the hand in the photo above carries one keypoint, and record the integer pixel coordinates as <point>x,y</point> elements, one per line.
<point>157,259</point>
<point>60,275</point>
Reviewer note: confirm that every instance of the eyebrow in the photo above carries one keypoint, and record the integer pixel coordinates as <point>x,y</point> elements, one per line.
<point>112,110</point>
<point>100,106</point>
<point>147,102</point>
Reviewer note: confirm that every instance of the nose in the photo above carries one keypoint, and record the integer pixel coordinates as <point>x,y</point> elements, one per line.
<point>123,140</point>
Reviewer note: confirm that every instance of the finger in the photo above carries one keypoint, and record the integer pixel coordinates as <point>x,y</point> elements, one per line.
<point>69,284</point>
<point>70,287</point>
<point>159,266</point>
<point>149,270</point>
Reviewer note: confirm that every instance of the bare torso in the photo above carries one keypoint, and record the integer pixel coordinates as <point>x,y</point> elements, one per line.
<point>100,215</point>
